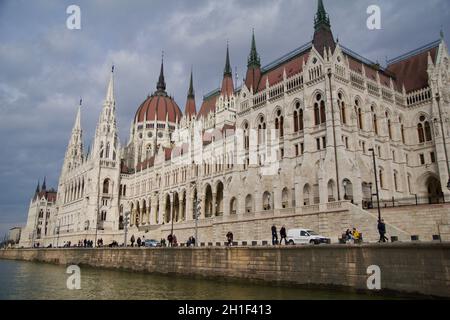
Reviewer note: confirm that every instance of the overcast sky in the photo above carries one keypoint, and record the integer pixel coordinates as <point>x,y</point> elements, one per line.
<point>45,68</point>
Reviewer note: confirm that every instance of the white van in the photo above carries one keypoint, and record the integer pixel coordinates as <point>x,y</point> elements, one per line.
<point>305,236</point>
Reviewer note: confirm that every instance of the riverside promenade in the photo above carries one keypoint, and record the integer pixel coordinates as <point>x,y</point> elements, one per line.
<point>405,268</point>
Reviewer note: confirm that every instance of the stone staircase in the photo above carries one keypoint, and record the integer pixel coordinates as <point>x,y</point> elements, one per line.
<point>367,222</point>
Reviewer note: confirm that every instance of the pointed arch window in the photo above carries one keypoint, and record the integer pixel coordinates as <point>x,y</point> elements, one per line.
<point>298,118</point>
<point>341,104</point>
<point>279,124</point>
<point>375,122</point>
<point>262,130</point>
<point>424,130</point>
<point>107,150</point>
<point>319,110</point>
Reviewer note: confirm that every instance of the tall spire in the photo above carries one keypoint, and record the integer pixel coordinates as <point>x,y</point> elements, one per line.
<point>38,188</point>
<point>227,71</point>
<point>227,82</point>
<point>191,93</point>
<point>321,18</point>
<point>253,58</point>
<point>161,86</point>
<point>44,185</point>
<point>110,91</point>
<point>323,37</point>
<point>190,110</point>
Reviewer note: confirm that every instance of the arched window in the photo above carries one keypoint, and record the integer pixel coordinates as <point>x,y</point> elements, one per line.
<point>395,181</point>
<point>341,105</point>
<point>279,124</point>
<point>420,133</point>
<point>389,127</point>
<point>319,110</point>
<point>106,186</point>
<point>402,129</point>
<point>428,136</point>
<point>246,136</point>
<point>298,118</point>
<point>424,130</point>
<point>380,174</point>
<point>375,123</point>
<point>262,130</point>
<point>101,150</point>
<point>107,150</point>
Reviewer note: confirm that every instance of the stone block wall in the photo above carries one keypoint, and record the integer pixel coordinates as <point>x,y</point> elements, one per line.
<point>411,268</point>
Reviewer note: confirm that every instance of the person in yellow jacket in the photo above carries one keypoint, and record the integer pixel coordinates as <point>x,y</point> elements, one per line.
<point>356,234</point>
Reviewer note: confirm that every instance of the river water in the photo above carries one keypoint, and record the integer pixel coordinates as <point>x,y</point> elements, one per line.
<point>29,280</point>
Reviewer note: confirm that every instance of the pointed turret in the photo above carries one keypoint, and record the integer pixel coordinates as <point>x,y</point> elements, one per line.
<point>44,185</point>
<point>323,36</point>
<point>161,85</point>
<point>190,110</point>
<point>74,152</point>
<point>227,82</point>
<point>38,188</point>
<point>253,67</point>
<point>110,90</point>
<point>105,141</point>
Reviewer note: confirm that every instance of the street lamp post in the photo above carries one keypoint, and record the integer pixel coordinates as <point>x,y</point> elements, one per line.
<point>376,183</point>
<point>438,100</point>
<point>126,220</point>
<point>334,137</point>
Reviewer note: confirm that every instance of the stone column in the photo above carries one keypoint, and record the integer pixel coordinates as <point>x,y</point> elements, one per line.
<point>214,204</point>
<point>189,205</point>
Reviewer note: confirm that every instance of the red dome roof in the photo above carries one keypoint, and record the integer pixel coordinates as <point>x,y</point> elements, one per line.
<point>161,105</point>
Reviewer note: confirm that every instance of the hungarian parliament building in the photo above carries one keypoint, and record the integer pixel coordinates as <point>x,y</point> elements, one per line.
<point>307,141</point>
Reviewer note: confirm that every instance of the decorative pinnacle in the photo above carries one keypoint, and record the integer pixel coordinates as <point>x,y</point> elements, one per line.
<point>227,71</point>
<point>161,85</point>
<point>253,58</point>
<point>321,18</point>
<point>191,93</point>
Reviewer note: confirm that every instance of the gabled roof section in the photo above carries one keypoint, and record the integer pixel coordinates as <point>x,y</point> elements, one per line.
<point>292,62</point>
<point>410,69</point>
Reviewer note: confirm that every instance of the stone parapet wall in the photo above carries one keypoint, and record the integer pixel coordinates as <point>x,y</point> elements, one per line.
<point>405,268</point>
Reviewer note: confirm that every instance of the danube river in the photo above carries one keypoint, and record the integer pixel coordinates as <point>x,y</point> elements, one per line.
<point>29,280</point>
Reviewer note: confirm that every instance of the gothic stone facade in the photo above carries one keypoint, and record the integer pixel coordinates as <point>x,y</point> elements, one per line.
<point>327,109</point>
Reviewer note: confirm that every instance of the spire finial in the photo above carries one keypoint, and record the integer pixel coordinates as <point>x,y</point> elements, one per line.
<point>321,18</point>
<point>44,185</point>
<point>441,33</point>
<point>227,71</point>
<point>191,93</point>
<point>81,101</point>
<point>253,58</point>
<point>161,86</point>
<point>110,90</point>
<point>38,187</point>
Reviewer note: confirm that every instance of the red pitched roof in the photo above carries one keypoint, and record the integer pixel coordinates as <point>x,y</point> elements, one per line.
<point>275,75</point>
<point>227,86</point>
<point>208,105</point>
<point>411,71</point>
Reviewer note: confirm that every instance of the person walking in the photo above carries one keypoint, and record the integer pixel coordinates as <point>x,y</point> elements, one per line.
<point>274,235</point>
<point>283,235</point>
<point>132,240</point>
<point>230,238</point>
<point>139,242</point>
<point>382,231</point>
<point>170,240</point>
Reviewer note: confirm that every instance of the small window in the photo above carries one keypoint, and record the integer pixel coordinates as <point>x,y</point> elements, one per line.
<point>422,159</point>
<point>318,143</point>
<point>303,234</point>
<point>432,157</point>
<point>296,150</point>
